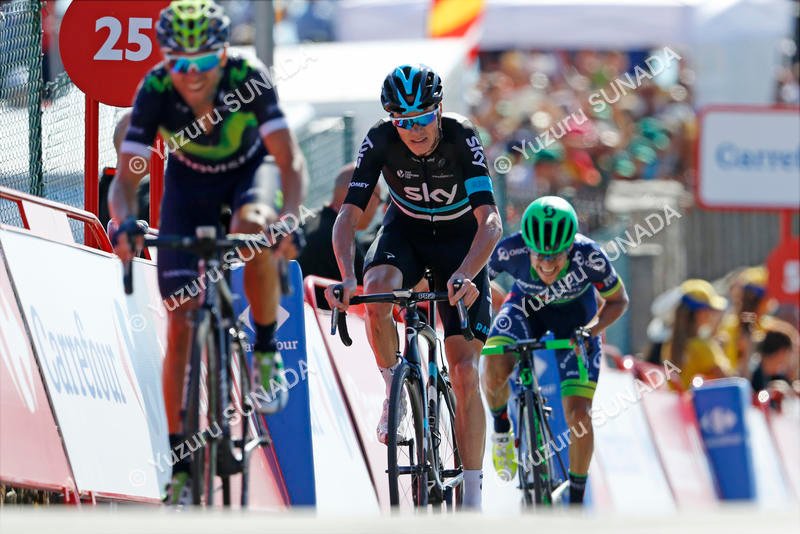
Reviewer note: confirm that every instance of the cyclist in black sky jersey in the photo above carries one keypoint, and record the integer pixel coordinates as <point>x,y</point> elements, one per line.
<point>443,216</point>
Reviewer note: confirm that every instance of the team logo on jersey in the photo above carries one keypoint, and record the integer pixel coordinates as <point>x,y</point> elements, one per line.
<point>440,196</point>
<point>400,173</point>
<point>505,255</point>
<point>366,145</point>
<point>478,158</point>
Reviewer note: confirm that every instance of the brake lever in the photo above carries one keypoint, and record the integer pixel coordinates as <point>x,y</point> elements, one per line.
<point>463,316</point>
<point>339,319</point>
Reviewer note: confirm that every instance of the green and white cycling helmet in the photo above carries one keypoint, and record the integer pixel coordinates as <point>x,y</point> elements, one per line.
<point>192,26</point>
<point>549,225</point>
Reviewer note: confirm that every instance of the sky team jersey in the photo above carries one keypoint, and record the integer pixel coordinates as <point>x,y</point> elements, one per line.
<point>245,109</point>
<point>442,187</point>
<point>588,267</point>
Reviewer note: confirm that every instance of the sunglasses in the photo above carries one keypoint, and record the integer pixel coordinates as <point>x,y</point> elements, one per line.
<point>407,123</point>
<point>202,63</point>
<point>550,257</point>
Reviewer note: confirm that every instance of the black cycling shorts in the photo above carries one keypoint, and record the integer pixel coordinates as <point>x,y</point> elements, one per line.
<point>411,249</point>
<point>192,199</point>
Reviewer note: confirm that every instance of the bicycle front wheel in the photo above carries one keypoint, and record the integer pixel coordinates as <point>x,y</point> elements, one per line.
<point>202,421</point>
<point>408,476</point>
<point>532,454</point>
<point>445,448</point>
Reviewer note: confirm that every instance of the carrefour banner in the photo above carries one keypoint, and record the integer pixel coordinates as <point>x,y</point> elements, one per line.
<point>86,337</point>
<point>720,406</point>
<point>290,430</point>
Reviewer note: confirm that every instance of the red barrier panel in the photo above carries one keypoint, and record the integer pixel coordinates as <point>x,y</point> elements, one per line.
<point>677,439</point>
<point>785,427</point>
<point>361,385</point>
<point>31,452</point>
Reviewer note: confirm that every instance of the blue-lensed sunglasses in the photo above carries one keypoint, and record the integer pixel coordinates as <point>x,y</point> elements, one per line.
<point>203,63</point>
<point>408,123</point>
<point>549,257</point>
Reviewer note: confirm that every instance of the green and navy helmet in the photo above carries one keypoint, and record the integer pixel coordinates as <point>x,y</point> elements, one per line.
<point>193,26</point>
<point>411,88</point>
<point>549,225</point>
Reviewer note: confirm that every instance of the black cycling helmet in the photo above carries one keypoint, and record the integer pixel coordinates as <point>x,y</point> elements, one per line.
<point>411,88</point>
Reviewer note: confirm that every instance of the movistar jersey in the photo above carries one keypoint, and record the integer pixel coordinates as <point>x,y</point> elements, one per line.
<point>441,188</point>
<point>245,109</point>
<point>587,268</point>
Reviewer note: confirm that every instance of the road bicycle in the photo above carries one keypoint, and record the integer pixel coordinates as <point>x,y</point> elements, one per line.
<point>424,465</point>
<point>222,427</point>
<point>540,467</point>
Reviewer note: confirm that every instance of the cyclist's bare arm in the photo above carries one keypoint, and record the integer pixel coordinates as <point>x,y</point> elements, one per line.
<point>490,230</point>
<point>498,295</point>
<point>122,193</point>
<point>292,165</point>
<point>612,308</point>
<point>344,247</point>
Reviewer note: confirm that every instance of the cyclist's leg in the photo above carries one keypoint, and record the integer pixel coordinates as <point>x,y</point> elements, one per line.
<point>578,384</point>
<point>463,357</point>
<point>508,326</point>
<point>389,264</point>
<point>184,207</point>
<point>511,324</point>
<point>252,204</point>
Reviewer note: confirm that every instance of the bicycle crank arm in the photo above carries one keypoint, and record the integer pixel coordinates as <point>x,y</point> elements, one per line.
<point>559,491</point>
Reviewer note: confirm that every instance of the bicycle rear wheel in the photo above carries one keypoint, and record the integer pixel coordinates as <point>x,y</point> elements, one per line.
<point>445,449</point>
<point>408,476</point>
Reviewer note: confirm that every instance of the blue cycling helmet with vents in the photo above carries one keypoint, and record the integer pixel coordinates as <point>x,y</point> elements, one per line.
<point>410,89</point>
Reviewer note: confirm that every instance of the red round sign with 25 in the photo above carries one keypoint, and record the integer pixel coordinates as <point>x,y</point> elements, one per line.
<point>108,47</point>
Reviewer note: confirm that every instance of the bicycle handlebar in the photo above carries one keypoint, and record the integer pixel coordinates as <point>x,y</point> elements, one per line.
<point>402,297</point>
<point>537,344</point>
<point>528,344</point>
<point>204,245</point>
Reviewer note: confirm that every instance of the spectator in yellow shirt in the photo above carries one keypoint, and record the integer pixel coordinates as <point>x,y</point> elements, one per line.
<point>743,324</point>
<point>693,347</point>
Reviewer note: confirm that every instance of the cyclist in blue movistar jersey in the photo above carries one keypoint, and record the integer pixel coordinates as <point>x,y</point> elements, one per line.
<point>559,275</point>
<point>219,116</point>
<point>443,216</point>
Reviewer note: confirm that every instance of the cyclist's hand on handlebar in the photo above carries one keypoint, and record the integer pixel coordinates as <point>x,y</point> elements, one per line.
<point>348,289</point>
<point>121,239</point>
<point>468,291</point>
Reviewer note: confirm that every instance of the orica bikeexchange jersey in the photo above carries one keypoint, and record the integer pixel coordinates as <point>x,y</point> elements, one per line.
<point>441,188</point>
<point>245,109</point>
<point>587,268</point>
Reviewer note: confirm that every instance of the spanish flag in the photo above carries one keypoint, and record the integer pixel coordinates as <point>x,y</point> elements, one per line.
<point>456,18</point>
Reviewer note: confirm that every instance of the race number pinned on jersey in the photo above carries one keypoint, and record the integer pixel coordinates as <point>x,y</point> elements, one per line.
<point>108,47</point>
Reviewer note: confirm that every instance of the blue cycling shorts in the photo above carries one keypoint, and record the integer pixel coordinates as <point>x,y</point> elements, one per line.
<point>513,324</point>
<point>193,199</point>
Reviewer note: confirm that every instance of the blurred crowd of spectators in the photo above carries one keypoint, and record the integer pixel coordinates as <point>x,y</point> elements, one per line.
<point>708,333</point>
<point>568,123</point>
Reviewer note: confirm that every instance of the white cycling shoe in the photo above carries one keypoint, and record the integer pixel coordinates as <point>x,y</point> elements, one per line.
<point>383,424</point>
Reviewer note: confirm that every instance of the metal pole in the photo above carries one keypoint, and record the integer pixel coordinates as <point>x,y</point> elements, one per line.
<point>35,95</point>
<point>91,162</point>
<point>264,22</point>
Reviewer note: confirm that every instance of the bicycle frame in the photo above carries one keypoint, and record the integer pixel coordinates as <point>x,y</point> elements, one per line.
<point>415,328</point>
<point>529,386</point>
